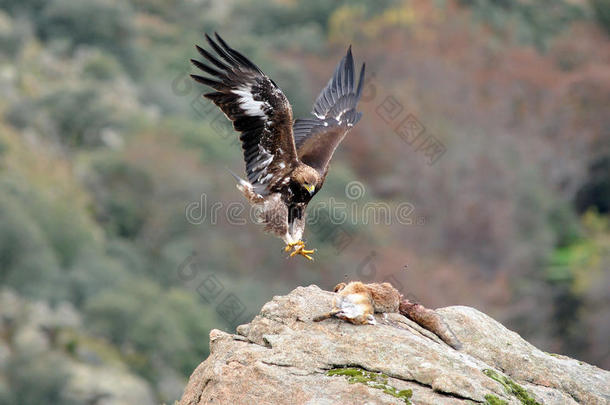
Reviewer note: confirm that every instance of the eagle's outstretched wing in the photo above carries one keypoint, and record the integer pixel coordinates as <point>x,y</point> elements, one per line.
<point>335,113</point>
<point>258,109</point>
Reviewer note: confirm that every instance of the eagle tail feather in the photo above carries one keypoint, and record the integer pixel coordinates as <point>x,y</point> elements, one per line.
<point>240,182</point>
<point>252,193</point>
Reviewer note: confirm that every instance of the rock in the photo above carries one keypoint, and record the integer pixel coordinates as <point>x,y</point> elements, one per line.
<point>282,357</point>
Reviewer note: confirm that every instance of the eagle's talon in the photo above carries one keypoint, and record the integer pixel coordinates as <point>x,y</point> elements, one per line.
<point>299,249</point>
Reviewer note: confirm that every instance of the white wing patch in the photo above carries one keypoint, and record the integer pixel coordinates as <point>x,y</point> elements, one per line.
<point>248,103</point>
<point>260,169</point>
<point>265,179</point>
<point>263,164</point>
<point>264,152</point>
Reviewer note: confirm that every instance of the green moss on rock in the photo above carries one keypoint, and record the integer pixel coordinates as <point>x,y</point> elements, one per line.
<point>371,379</point>
<point>511,387</point>
<point>494,400</point>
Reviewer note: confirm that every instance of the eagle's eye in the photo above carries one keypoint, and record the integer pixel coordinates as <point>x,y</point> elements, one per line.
<point>310,187</point>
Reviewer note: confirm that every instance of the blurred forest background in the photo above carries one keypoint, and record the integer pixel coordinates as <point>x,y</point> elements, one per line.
<point>108,292</point>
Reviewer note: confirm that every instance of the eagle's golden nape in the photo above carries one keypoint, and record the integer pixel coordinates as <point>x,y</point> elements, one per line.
<point>286,161</point>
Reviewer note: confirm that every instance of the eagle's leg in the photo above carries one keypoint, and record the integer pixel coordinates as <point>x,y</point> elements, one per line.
<point>290,246</point>
<point>295,227</point>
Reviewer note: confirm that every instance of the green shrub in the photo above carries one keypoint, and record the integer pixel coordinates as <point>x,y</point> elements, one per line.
<point>532,23</point>
<point>172,324</point>
<point>23,7</point>
<point>35,380</point>
<point>103,23</point>
<point>122,194</point>
<point>74,117</point>
<point>102,66</point>
<point>27,260</point>
<point>601,8</point>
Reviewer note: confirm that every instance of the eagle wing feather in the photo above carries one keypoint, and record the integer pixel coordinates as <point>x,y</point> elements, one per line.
<point>258,108</point>
<point>334,114</point>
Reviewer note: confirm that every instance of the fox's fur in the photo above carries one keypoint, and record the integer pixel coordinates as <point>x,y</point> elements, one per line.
<point>357,303</point>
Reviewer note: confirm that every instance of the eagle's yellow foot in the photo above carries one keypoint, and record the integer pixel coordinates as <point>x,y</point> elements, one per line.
<point>299,249</point>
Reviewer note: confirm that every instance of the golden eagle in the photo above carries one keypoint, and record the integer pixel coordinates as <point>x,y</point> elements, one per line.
<point>286,161</point>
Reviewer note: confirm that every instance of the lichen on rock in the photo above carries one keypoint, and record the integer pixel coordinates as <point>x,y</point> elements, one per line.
<point>512,388</point>
<point>371,379</point>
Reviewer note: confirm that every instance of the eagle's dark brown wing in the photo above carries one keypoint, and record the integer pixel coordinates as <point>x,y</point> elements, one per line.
<point>258,109</point>
<point>334,113</point>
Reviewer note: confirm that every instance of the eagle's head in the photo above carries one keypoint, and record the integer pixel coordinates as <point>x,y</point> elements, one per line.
<point>307,177</point>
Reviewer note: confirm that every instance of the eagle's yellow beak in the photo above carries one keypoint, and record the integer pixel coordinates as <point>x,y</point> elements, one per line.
<point>310,188</point>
